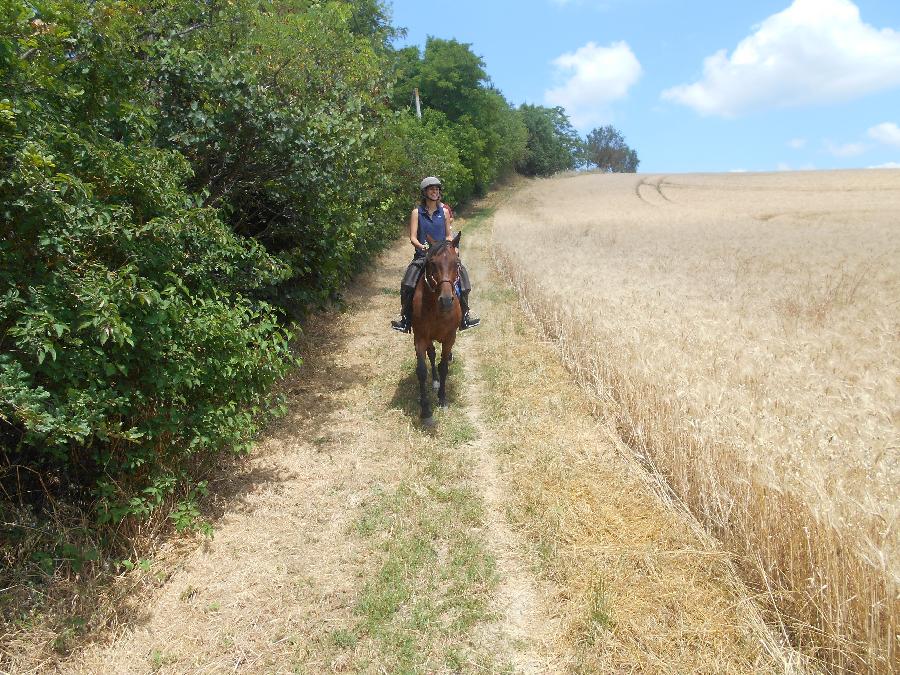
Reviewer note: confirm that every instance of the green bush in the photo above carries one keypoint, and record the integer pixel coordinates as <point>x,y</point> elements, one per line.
<point>281,124</point>
<point>177,179</point>
<point>133,345</point>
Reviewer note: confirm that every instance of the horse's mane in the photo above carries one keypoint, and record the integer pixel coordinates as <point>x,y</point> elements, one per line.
<point>436,248</point>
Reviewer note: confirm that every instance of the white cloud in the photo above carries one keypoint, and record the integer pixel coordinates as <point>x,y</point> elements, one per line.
<point>797,143</point>
<point>593,77</point>
<point>784,166</point>
<point>845,149</point>
<point>815,51</point>
<point>887,165</point>
<point>887,133</point>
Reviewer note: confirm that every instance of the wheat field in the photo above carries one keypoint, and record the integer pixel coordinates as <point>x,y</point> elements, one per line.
<point>741,332</point>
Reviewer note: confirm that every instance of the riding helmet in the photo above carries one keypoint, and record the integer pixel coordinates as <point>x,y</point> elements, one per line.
<point>428,182</point>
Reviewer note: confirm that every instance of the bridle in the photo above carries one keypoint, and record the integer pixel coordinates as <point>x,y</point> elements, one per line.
<point>430,281</point>
<point>434,284</point>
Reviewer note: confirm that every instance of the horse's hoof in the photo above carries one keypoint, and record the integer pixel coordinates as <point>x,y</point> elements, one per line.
<point>429,422</point>
<point>444,405</point>
<point>435,385</point>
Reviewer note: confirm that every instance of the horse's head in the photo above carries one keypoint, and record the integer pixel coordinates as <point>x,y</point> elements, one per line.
<point>442,270</point>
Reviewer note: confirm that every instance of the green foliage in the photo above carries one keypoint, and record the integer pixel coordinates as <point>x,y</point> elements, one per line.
<point>134,342</point>
<point>426,147</point>
<point>606,149</point>
<point>405,65</point>
<point>450,78</point>
<point>372,19</point>
<point>508,135</point>
<point>177,178</point>
<point>283,128</point>
<point>488,135</point>
<point>553,144</point>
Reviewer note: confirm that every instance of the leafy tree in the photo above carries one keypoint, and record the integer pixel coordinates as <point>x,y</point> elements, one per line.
<point>606,149</point>
<point>553,145</point>
<point>372,19</point>
<point>505,134</point>
<point>282,126</point>
<point>427,147</point>
<point>451,78</point>
<point>404,68</point>
<point>172,170</point>
<point>488,134</point>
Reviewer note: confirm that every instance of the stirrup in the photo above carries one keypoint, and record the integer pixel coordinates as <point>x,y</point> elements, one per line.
<point>403,325</point>
<point>469,322</point>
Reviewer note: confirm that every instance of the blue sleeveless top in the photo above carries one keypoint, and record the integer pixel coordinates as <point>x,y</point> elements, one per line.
<point>435,225</point>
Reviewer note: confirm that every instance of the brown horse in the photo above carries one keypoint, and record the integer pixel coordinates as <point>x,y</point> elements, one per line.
<point>436,314</point>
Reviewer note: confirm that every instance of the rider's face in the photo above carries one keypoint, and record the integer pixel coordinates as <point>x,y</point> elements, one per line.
<point>433,192</point>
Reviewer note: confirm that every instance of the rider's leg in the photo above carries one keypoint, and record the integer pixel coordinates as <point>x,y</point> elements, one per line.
<point>407,290</point>
<point>406,297</point>
<point>469,320</point>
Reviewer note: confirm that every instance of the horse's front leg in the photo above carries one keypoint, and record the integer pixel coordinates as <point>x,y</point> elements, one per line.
<point>443,368</point>
<point>424,389</point>
<point>434,372</point>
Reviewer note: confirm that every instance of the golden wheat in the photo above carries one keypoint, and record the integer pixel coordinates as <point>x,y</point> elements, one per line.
<point>742,330</point>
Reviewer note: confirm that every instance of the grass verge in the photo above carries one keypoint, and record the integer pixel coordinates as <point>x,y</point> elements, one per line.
<point>419,608</point>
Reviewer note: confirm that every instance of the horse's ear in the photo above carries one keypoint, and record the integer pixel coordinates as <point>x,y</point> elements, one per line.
<point>429,239</point>
<point>456,239</point>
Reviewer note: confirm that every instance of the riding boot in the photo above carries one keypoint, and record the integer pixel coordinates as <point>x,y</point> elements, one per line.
<point>405,323</point>
<point>469,320</point>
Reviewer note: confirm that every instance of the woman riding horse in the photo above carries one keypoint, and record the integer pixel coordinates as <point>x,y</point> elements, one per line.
<point>430,218</point>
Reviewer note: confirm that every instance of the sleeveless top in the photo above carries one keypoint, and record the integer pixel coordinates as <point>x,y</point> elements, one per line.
<point>435,225</point>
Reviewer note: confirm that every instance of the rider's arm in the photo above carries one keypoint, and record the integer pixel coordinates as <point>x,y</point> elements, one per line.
<point>448,218</point>
<point>414,230</point>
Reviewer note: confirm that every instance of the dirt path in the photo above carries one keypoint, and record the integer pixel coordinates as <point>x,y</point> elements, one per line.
<point>515,538</point>
<point>521,599</point>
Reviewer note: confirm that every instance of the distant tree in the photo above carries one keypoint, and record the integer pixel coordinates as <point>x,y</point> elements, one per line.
<point>607,150</point>
<point>487,132</point>
<point>451,78</point>
<point>510,132</point>
<point>372,19</point>
<point>404,69</point>
<point>553,145</point>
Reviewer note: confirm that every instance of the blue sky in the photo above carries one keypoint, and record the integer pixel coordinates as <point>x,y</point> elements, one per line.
<point>696,85</point>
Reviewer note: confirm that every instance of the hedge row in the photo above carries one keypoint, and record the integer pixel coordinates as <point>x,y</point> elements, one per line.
<point>180,179</point>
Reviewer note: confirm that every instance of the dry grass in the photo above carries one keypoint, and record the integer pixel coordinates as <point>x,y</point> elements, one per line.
<point>352,541</point>
<point>635,585</point>
<point>90,580</point>
<point>741,331</point>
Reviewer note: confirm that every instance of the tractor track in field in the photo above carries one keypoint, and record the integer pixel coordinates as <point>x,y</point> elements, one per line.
<point>652,191</point>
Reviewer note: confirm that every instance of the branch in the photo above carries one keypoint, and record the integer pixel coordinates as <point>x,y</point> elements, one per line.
<point>191,29</point>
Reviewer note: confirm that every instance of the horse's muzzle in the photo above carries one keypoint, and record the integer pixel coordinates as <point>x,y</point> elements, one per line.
<point>446,303</point>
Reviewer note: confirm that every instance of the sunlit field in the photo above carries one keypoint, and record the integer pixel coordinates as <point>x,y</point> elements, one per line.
<point>741,331</point>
